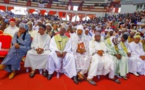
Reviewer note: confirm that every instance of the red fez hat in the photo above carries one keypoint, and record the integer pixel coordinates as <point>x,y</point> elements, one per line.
<point>12,20</point>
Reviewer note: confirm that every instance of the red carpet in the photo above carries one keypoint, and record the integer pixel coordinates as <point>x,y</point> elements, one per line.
<point>23,82</point>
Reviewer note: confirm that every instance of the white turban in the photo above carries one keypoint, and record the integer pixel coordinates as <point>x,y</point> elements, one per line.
<point>39,21</point>
<point>98,28</point>
<point>87,29</point>
<point>106,29</point>
<point>48,24</point>
<point>65,26</point>
<point>110,30</point>
<point>80,27</point>
<point>97,33</point>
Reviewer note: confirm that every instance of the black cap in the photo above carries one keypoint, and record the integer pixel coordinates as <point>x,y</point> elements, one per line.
<point>125,36</point>
<point>43,26</point>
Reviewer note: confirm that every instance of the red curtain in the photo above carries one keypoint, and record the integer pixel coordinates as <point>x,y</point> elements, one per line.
<point>62,14</point>
<point>52,12</point>
<point>3,8</point>
<point>42,12</point>
<point>10,8</point>
<point>31,10</point>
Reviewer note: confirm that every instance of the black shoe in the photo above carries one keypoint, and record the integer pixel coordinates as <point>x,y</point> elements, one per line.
<point>45,74</point>
<point>49,76</point>
<point>75,80</point>
<point>138,73</point>
<point>31,75</point>
<point>92,82</point>
<point>80,80</point>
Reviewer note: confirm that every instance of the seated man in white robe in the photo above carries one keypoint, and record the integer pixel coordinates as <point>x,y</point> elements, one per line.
<point>12,28</point>
<point>37,57</point>
<point>61,58</point>
<point>80,48</point>
<point>137,63</point>
<point>101,62</point>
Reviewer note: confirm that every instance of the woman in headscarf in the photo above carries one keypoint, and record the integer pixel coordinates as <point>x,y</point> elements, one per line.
<point>20,45</point>
<point>80,48</point>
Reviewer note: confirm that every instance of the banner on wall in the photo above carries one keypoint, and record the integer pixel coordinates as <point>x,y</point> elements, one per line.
<point>20,10</point>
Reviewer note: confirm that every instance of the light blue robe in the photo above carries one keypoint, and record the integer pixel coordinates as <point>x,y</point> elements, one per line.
<point>14,56</point>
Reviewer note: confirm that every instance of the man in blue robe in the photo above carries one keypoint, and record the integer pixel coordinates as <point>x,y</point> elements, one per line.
<point>20,45</point>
